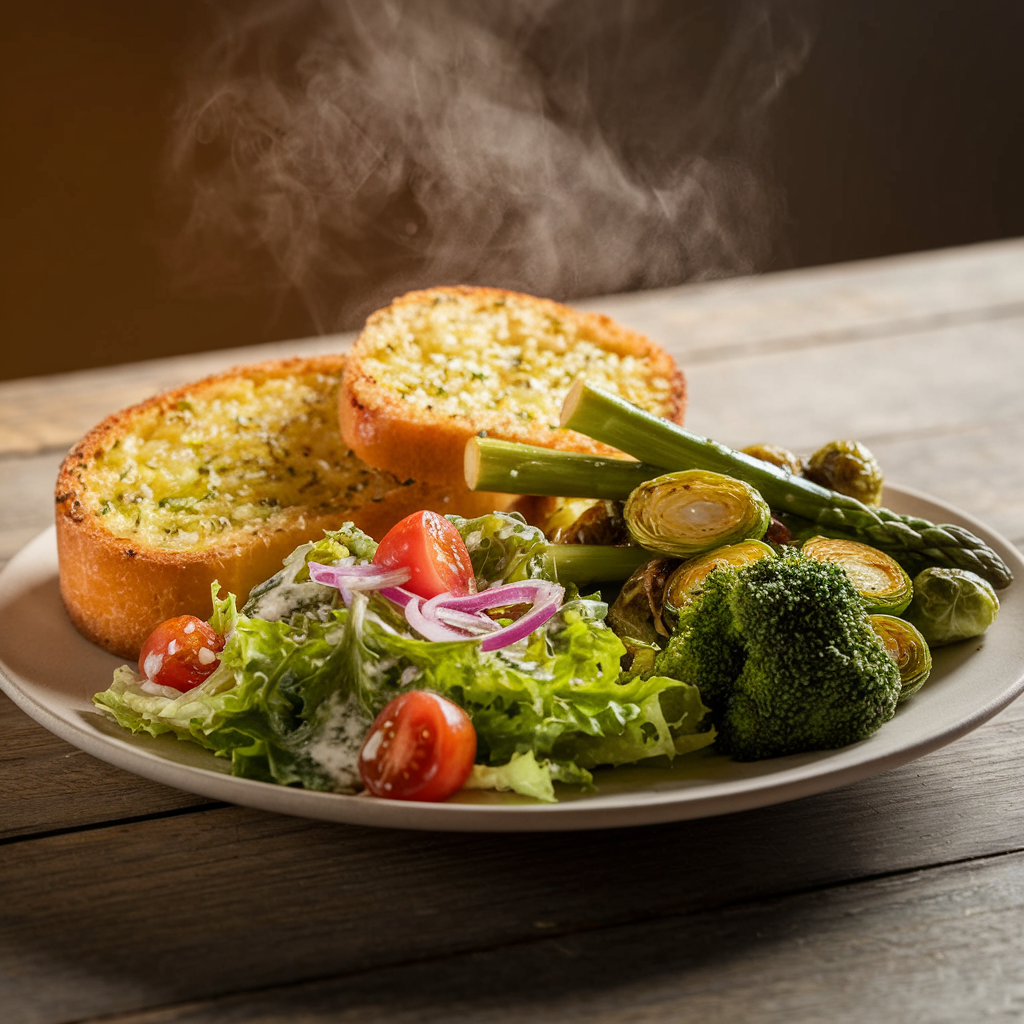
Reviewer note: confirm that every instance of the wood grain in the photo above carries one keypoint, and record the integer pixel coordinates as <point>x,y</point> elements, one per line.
<point>827,305</point>
<point>942,947</point>
<point>48,785</point>
<point>27,503</point>
<point>284,900</point>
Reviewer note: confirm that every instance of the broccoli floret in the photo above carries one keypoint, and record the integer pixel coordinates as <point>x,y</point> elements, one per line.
<point>785,656</point>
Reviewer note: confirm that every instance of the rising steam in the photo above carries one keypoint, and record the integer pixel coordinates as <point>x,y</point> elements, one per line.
<point>353,149</point>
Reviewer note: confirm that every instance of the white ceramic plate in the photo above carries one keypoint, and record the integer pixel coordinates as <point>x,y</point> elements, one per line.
<point>51,672</point>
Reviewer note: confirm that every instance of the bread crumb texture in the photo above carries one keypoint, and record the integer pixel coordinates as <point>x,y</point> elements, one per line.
<point>230,458</point>
<point>456,358</point>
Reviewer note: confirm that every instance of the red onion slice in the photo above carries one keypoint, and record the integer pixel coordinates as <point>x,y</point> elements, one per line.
<point>357,577</point>
<point>448,617</point>
<point>545,599</point>
<point>399,595</point>
<point>430,628</point>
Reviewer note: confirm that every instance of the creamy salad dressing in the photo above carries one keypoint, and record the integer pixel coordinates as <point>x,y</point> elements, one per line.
<point>335,748</point>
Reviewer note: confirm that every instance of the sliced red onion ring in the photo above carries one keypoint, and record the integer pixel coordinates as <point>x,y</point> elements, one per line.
<point>399,595</point>
<point>463,620</point>
<point>357,577</point>
<point>432,628</point>
<point>545,599</point>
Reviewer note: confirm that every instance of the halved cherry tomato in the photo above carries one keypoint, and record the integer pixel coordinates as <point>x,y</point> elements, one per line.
<point>433,549</point>
<point>421,747</point>
<point>180,652</point>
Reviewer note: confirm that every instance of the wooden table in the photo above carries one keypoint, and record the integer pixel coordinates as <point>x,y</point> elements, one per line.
<point>896,899</point>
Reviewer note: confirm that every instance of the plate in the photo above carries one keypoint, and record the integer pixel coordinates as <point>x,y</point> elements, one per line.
<point>51,672</point>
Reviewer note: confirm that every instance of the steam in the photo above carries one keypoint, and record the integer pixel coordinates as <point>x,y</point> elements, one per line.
<point>354,149</point>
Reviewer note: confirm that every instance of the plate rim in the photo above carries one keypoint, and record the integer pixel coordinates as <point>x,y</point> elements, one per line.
<point>627,809</point>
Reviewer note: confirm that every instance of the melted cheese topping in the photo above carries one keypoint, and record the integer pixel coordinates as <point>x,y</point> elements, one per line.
<point>456,358</point>
<point>232,456</point>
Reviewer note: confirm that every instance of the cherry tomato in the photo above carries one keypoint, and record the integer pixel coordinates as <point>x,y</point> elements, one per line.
<point>433,549</point>
<point>421,747</point>
<point>180,652</point>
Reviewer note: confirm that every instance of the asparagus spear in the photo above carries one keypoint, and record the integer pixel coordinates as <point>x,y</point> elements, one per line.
<point>525,469</point>
<point>584,564</point>
<point>608,418</point>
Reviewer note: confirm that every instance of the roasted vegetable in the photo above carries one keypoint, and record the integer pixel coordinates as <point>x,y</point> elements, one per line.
<point>687,581</point>
<point>781,457</point>
<point>611,419</point>
<point>880,580</point>
<point>602,522</point>
<point>951,605</point>
<point>907,648</point>
<point>492,465</point>
<point>785,657</point>
<point>686,513</point>
<point>637,611</point>
<point>849,468</point>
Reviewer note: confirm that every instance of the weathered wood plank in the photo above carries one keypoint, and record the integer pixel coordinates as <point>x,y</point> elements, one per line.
<point>26,498</point>
<point>942,947</point>
<point>125,918</point>
<point>47,784</point>
<point>822,305</point>
<point>923,384</point>
<point>720,320</point>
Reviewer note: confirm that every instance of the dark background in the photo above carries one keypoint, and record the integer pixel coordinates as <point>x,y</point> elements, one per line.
<point>904,131</point>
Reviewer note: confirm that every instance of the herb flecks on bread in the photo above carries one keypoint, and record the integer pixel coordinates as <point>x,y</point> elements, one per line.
<point>234,456</point>
<point>436,367</point>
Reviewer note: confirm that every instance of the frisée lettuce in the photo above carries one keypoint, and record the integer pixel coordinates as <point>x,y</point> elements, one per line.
<point>302,676</point>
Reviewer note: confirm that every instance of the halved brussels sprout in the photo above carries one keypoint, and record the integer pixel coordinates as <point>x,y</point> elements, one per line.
<point>692,511</point>
<point>600,523</point>
<point>781,457</point>
<point>555,516</point>
<point>637,611</point>
<point>907,648</point>
<point>849,468</point>
<point>880,580</point>
<point>685,584</point>
<point>951,605</point>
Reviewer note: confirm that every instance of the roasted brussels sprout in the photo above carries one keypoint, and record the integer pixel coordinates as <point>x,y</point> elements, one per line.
<point>554,516</point>
<point>637,611</point>
<point>781,457</point>
<point>951,605</point>
<point>907,648</point>
<point>685,583</point>
<point>692,511</point>
<point>849,468</point>
<point>600,523</point>
<point>881,581</point>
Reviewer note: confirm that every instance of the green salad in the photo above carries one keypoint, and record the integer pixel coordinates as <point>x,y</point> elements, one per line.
<point>302,676</point>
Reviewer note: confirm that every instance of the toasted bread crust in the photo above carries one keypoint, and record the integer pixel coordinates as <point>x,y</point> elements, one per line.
<point>412,439</point>
<point>117,589</point>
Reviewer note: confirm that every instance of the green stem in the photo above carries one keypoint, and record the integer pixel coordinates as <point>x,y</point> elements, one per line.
<point>608,418</point>
<point>583,564</point>
<point>524,469</point>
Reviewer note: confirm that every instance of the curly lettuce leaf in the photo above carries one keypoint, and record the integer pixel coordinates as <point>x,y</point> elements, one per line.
<point>523,774</point>
<point>259,707</point>
<point>503,548</point>
<point>290,591</point>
